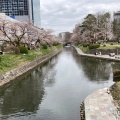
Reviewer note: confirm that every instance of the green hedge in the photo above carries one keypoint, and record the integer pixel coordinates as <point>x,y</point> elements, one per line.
<point>56,44</point>
<point>85,44</point>
<point>23,50</point>
<point>116,75</point>
<point>94,46</point>
<point>44,46</point>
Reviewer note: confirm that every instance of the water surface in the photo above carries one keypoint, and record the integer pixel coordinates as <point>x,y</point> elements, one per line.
<point>55,90</point>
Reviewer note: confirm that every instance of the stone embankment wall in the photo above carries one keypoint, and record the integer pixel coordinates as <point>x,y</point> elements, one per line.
<point>104,52</point>
<point>17,72</point>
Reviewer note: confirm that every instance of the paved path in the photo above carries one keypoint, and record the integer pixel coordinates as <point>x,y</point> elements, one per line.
<point>79,51</point>
<point>99,106</point>
<point>106,57</point>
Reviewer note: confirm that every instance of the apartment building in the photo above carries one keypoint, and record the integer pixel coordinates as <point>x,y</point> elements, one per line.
<point>23,10</point>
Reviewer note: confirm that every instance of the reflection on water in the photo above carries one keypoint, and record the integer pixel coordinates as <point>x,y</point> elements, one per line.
<point>23,96</point>
<point>96,69</point>
<point>55,90</point>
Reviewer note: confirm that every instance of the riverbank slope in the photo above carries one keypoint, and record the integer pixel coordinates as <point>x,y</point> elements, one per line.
<point>21,70</point>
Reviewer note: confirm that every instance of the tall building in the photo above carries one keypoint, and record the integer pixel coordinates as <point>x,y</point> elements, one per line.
<point>23,10</point>
<point>117,15</point>
<point>34,10</point>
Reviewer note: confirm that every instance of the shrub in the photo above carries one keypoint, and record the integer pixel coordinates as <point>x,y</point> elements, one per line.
<point>85,44</point>
<point>56,44</point>
<point>44,46</point>
<point>23,50</point>
<point>94,46</point>
<point>116,72</point>
<point>116,75</point>
<point>12,49</point>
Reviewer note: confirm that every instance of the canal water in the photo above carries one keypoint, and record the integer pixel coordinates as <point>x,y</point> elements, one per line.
<point>55,90</point>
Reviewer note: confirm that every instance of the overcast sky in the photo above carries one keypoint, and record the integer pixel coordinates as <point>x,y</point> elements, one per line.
<point>62,15</point>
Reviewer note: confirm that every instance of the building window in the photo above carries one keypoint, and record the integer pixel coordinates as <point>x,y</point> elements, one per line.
<point>14,7</point>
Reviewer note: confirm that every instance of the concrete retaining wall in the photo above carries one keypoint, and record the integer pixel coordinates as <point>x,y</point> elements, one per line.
<point>17,72</point>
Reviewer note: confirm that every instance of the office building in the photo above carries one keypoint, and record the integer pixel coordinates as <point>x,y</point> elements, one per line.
<point>23,10</point>
<point>34,10</point>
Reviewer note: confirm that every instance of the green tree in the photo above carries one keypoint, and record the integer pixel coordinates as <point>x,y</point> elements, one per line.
<point>89,26</point>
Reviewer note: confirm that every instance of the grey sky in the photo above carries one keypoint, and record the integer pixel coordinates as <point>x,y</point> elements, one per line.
<point>62,15</point>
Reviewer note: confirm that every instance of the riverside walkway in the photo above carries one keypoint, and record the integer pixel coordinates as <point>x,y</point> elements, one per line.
<point>106,57</point>
<point>100,104</point>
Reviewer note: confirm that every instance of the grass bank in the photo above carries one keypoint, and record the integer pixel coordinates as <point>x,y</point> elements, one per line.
<point>84,49</point>
<point>118,85</point>
<point>11,61</point>
<point>115,92</point>
<point>108,46</point>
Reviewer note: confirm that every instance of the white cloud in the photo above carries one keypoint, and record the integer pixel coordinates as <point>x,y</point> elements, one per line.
<point>62,15</point>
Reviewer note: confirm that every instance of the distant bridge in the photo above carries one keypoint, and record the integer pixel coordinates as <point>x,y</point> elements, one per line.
<point>67,44</point>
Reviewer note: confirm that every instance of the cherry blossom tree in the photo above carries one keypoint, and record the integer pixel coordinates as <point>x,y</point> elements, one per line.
<point>12,32</point>
<point>22,33</point>
<point>5,31</point>
<point>94,27</point>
